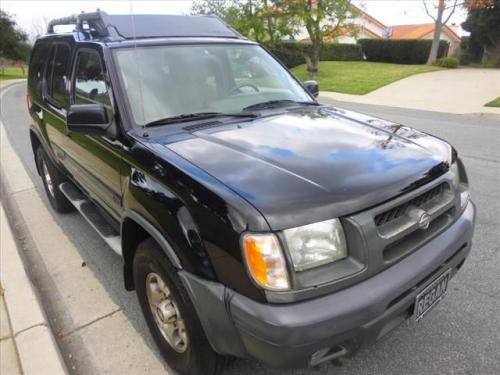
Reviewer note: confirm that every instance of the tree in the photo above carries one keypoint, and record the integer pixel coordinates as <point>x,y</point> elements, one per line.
<point>246,18</point>
<point>217,8</point>
<point>255,19</point>
<point>243,16</point>
<point>323,19</point>
<point>478,4</point>
<point>269,21</point>
<point>440,20</point>
<point>13,45</point>
<point>483,22</point>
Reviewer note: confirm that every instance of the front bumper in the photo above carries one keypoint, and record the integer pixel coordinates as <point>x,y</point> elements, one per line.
<point>312,331</point>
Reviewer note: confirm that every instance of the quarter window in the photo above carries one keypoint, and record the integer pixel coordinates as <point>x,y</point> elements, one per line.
<point>90,83</point>
<point>59,68</point>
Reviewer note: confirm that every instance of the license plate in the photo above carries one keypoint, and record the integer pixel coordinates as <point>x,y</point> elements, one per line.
<point>431,295</point>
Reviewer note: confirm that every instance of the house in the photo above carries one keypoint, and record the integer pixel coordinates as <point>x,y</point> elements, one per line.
<point>426,31</point>
<point>368,27</point>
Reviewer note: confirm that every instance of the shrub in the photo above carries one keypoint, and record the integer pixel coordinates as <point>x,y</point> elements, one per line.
<point>447,62</point>
<point>291,53</point>
<point>400,51</point>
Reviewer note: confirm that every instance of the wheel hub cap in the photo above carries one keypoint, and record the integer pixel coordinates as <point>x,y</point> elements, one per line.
<point>165,312</point>
<point>48,179</point>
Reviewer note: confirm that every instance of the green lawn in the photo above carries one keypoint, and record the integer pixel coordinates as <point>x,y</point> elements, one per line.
<point>12,73</point>
<point>359,77</point>
<point>493,103</point>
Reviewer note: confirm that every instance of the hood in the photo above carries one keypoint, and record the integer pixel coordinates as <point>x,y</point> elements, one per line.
<point>305,166</point>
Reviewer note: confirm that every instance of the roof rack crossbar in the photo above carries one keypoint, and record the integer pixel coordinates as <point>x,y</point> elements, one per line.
<point>94,20</point>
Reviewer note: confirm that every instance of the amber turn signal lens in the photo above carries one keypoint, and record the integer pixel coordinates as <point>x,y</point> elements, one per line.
<point>265,261</point>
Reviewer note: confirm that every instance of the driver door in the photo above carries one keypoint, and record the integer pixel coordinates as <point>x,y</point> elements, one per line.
<point>95,161</point>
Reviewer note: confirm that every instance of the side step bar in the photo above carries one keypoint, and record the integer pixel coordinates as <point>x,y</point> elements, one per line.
<point>90,212</point>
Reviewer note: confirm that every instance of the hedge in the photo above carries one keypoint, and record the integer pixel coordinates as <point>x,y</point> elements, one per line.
<point>400,51</point>
<point>290,53</point>
<point>447,62</point>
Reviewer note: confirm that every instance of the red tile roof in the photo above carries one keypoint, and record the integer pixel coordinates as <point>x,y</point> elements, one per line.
<point>419,31</point>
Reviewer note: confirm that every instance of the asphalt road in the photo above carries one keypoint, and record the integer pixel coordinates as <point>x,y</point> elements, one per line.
<point>460,336</point>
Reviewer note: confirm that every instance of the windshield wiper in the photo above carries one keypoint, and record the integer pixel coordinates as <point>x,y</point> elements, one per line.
<point>277,103</point>
<point>197,116</point>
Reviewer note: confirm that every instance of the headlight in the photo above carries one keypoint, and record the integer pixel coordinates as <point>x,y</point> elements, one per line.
<point>316,244</point>
<point>265,261</point>
<point>459,187</point>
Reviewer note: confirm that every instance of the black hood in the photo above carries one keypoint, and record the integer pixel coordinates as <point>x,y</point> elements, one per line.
<point>317,163</point>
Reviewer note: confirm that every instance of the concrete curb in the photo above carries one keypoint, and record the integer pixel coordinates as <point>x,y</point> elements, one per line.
<point>34,345</point>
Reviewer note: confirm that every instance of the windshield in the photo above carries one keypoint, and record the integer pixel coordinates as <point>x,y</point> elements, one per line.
<point>186,79</point>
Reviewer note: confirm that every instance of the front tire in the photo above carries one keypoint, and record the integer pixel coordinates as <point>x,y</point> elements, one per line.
<point>52,178</point>
<point>170,314</point>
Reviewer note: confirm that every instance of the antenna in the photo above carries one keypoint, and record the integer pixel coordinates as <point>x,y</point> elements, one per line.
<point>139,70</point>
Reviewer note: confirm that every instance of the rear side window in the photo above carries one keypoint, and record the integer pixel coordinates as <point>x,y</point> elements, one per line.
<point>57,74</point>
<point>90,82</point>
<point>38,60</point>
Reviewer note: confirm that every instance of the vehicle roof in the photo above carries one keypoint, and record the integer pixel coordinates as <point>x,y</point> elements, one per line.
<point>142,28</point>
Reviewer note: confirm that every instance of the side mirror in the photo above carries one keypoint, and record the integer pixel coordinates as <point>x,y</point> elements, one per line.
<point>312,87</point>
<point>90,119</point>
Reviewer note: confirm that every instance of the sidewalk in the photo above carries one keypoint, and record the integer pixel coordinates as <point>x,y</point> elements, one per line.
<point>26,342</point>
<point>457,91</point>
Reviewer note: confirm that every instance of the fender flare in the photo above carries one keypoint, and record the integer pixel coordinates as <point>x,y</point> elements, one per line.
<point>35,132</point>
<point>156,235</point>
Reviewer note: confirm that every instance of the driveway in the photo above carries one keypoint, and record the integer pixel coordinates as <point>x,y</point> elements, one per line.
<point>459,91</point>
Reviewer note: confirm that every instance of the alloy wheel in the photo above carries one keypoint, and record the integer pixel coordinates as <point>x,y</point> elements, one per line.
<point>166,313</point>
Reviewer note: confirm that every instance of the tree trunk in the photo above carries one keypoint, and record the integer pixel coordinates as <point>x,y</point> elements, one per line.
<point>315,57</point>
<point>437,34</point>
<point>270,25</point>
<point>312,60</point>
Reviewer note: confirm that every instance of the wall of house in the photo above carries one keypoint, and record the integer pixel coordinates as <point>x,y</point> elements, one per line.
<point>366,23</point>
<point>454,45</point>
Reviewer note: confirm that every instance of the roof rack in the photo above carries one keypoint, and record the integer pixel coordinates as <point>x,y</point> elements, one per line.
<point>100,25</point>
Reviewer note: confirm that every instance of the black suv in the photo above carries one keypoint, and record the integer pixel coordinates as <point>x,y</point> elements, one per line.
<point>252,220</point>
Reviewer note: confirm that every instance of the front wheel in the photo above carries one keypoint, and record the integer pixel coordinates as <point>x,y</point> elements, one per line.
<point>170,314</point>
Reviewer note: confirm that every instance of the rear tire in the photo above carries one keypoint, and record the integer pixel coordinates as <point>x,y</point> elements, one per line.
<point>52,178</point>
<point>153,274</point>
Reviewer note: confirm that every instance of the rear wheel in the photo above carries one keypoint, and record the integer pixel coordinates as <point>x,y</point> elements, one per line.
<point>170,314</point>
<point>52,178</point>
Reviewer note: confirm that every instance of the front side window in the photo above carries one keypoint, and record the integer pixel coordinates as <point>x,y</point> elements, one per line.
<point>167,81</point>
<point>90,83</point>
<point>58,77</point>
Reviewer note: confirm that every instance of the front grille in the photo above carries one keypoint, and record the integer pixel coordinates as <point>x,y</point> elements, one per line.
<point>420,201</point>
<point>404,245</point>
<point>383,235</point>
<point>399,226</point>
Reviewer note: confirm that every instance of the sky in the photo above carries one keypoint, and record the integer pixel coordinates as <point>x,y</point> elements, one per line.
<point>31,14</point>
